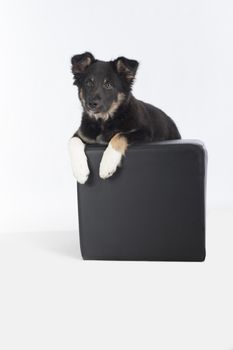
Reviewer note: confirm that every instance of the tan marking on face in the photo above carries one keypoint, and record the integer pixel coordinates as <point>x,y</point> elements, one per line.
<point>81,97</point>
<point>119,143</point>
<point>114,106</point>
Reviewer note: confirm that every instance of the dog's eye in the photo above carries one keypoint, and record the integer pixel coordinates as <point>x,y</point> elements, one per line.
<point>108,85</point>
<point>89,83</point>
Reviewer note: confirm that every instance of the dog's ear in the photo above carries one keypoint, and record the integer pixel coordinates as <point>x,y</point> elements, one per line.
<point>81,62</point>
<point>127,68</point>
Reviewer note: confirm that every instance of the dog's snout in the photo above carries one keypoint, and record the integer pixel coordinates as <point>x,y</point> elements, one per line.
<point>93,104</point>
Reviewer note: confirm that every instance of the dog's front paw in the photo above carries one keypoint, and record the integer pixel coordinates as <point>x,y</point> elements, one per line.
<point>78,160</point>
<point>81,171</point>
<point>110,161</point>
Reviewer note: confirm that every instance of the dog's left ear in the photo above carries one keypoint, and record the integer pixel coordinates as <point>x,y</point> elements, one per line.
<point>126,68</point>
<point>81,62</point>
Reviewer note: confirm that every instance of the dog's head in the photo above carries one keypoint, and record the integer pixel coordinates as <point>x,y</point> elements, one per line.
<point>103,86</point>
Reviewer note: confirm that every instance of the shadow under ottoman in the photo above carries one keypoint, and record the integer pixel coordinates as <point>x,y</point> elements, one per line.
<point>152,208</point>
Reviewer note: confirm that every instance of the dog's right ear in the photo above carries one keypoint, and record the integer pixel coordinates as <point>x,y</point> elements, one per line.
<point>127,68</point>
<point>81,62</point>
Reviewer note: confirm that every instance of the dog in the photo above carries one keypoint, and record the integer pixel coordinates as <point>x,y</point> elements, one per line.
<point>111,114</point>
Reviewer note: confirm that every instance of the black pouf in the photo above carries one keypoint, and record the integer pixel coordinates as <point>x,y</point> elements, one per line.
<point>152,208</point>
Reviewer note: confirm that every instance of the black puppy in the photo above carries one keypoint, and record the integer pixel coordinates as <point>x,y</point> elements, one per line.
<point>111,114</point>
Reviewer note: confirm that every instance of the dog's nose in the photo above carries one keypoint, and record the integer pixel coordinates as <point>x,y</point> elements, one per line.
<point>93,105</point>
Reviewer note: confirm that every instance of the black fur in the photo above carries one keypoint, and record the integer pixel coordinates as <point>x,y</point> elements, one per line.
<point>100,84</point>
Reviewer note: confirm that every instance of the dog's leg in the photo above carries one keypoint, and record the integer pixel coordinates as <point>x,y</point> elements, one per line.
<point>78,159</point>
<point>112,156</point>
<point>116,149</point>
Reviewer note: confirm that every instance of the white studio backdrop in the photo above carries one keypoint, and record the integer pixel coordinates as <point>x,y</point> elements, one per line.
<point>186,68</point>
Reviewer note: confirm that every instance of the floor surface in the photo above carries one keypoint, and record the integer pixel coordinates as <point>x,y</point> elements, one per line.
<point>51,299</point>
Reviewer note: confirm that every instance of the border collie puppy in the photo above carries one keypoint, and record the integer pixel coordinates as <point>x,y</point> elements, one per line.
<point>111,114</point>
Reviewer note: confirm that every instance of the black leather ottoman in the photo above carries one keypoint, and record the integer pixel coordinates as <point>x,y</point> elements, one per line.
<point>152,208</point>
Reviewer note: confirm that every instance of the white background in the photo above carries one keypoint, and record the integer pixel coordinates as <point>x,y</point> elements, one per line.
<point>50,298</point>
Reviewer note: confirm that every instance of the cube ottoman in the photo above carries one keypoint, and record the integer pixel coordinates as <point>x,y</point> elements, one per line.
<point>152,208</point>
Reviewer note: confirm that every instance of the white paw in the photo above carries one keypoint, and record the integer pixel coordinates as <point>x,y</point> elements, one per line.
<point>110,161</point>
<point>78,160</point>
<point>81,171</point>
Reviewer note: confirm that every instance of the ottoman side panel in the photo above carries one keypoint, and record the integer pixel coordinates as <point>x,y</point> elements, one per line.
<point>153,208</point>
